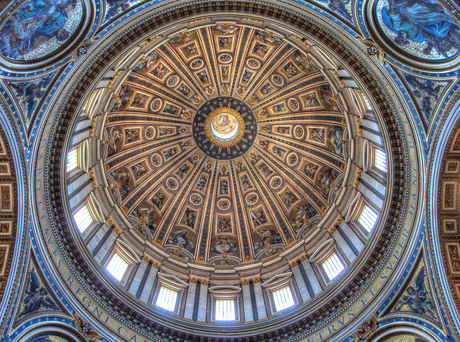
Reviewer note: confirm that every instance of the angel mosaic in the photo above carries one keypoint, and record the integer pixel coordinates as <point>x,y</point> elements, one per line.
<point>278,151</point>
<point>328,99</point>
<point>225,43</point>
<point>184,90</point>
<point>139,169</point>
<point>318,135</point>
<point>335,137</point>
<point>310,100</point>
<point>246,76</point>
<point>223,187</point>
<point>282,130</point>
<point>170,109</point>
<point>304,63</point>
<point>30,93</point>
<point>201,183</point>
<point>115,140</point>
<point>309,169</point>
<point>147,215</point>
<point>123,98</point>
<point>325,180</point>
<point>183,38</point>
<point>417,298</point>
<point>189,218</point>
<point>260,50</point>
<point>258,217</point>
<point>268,37</point>
<point>160,71</point>
<point>139,101</point>
<point>301,214</point>
<point>225,29</point>
<point>266,171</point>
<point>279,108</point>
<point>224,224</point>
<point>170,152</point>
<point>190,50</point>
<point>159,199</point>
<point>426,91</point>
<point>290,70</point>
<point>131,135</point>
<point>203,76</point>
<point>162,131</point>
<point>146,62</point>
<point>37,298</point>
<point>245,182</point>
<point>123,181</point>
<point>183,171</point>
<point>289,198</point>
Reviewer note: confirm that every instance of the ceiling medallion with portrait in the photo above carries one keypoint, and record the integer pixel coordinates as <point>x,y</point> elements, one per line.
<point>227,131</point>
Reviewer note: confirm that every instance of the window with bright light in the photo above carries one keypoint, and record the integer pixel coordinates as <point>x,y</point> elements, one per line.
<point>225,310</point>
<point>380,160</point>
<point>167,299</point>
<point>72,159</point>
<point>83,218</point>
<point>368,218</point>
<point>283,298</point>
<point>366,101</point>
<point>117,266</point>
<point>333,266</point>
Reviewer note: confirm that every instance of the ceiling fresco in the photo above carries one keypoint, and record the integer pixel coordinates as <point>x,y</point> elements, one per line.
<point>271,138</point>
<point>39,28</point>
<point>226,150</point>
<point>422,29</point>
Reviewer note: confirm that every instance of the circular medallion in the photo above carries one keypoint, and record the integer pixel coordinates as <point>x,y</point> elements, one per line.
<point>224,128</point>
<point>299,132</point>
<point>223,204</point>
<point>156,105</point>
<point>196,199</point>
<point>172,183</point>
<point>172,81</point>
<point>225,58</point>
<point>252,198</point>
<point>150,132</point>
<point>275,183</point>
<point>196,64</point>
<point>253,63</point>
<point>156,160</point>
<point>278,80</point>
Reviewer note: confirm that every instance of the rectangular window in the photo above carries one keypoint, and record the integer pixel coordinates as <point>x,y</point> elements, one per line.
<point>167,299</point>
<point>225,310</point>
<point>283,298</point>
<point>83,218</point>
<point>380,160</point>
<point>117,266</point>
<point>333,266</point>
<point>368,218</point>
<point>72,159</point>
<point>366,101</point>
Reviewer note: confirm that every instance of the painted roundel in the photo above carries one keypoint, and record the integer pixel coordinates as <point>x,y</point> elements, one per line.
<point>40,27</point>
<point>425,30</point>
<point>224,128</point>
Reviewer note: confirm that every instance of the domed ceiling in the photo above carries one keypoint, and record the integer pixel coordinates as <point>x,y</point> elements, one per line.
<point>225,144</point>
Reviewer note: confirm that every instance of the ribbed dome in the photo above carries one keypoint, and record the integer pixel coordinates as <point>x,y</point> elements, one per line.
<point>225,144</point>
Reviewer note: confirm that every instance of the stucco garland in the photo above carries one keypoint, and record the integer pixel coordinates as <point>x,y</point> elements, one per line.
<point>55,150</point>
